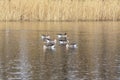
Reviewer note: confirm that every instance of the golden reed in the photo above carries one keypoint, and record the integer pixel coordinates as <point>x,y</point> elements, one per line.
<point>59,10</point>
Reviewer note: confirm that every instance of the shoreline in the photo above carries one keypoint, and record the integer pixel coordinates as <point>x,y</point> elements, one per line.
<point>60,20</point>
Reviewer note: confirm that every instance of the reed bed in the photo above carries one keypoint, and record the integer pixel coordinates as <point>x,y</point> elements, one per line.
<point>59,10</point>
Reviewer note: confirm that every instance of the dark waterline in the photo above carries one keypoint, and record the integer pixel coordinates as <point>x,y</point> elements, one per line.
<point>97,58</point>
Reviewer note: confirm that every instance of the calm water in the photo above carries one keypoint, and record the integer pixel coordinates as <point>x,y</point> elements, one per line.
<point>97,58</point>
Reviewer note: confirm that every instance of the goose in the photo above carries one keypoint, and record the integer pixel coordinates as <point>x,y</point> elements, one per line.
<point>71,46</point>
<point>44,37</point>
<point>51,41</point>
<point>63,41</point>
<point>49,46</point>
<point>62,35</point>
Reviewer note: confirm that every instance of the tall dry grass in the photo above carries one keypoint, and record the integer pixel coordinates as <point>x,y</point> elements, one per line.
<point>57,10</point>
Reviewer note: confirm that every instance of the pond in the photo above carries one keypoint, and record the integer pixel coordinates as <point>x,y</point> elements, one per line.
<point>97,57</point>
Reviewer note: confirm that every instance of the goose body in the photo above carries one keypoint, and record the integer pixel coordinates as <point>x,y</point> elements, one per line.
<point>44,37</point>
<point>62,35</point>
<point>72,46</point>
<point>49,41</point>
<point>63,41</point>
<point>49,46</point>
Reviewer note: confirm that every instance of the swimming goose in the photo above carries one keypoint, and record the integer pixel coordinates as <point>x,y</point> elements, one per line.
<point>62,35</point>
<point>50,41</point>
<point>71,46</point>
<point>49,46</point>
<point>44,37</point>
<point>63,41</point>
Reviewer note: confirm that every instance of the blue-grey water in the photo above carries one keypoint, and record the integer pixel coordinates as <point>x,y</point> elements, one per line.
<point>97,57</point>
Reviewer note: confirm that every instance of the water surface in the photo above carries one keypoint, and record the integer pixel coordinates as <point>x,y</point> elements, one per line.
<point>97,58</point>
